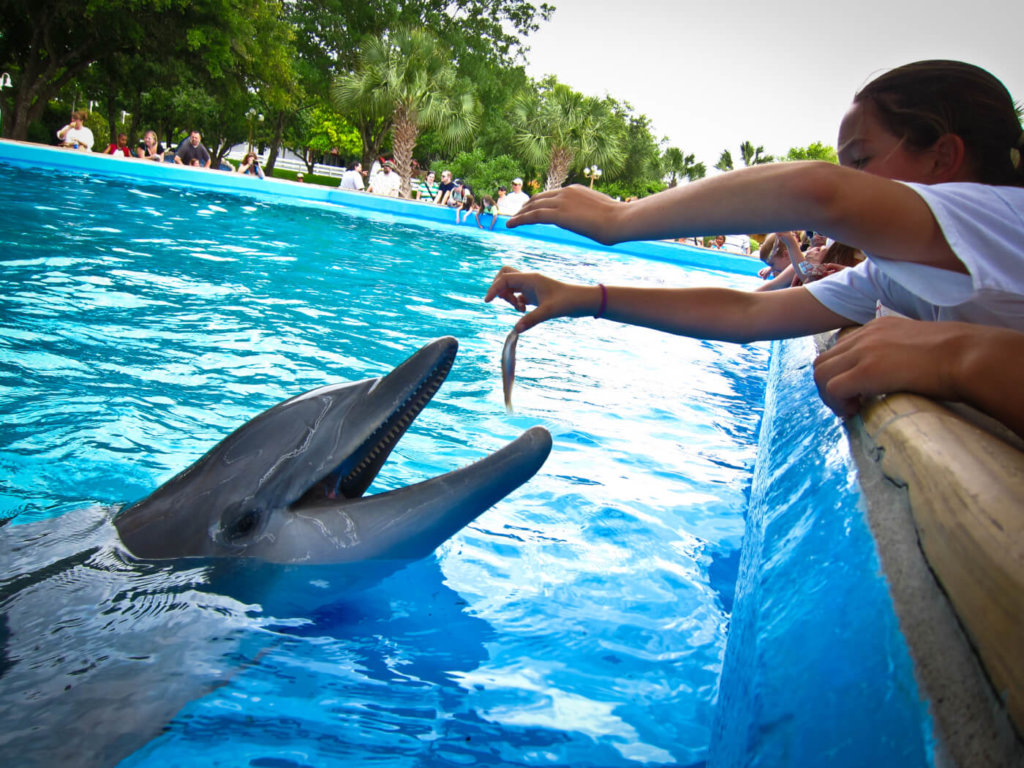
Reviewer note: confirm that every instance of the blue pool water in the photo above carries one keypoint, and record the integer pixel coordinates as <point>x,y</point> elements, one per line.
<point>582,621</point>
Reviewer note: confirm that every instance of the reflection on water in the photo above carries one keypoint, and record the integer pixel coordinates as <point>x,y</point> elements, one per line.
<point>580,621</point>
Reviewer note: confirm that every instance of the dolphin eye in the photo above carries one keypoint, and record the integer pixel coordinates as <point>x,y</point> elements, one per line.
<point>243,525</point>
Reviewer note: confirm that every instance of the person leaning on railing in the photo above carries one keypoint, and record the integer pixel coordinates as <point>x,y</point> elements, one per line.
<point>930,187</point>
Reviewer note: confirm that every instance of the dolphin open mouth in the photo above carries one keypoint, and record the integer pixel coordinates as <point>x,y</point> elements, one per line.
<point>289,485</point>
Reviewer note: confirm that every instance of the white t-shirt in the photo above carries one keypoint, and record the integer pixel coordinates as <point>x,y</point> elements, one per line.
<point>352,180</point>
<point>82,135</point>
<point>512,202</point>
<point>386,184</point>
<point>737,244</point>
<point>984,225</point>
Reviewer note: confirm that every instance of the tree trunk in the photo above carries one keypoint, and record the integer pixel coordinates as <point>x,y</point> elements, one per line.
<point>558,169</point>
<point>403,142</point>
<point>279,123</point>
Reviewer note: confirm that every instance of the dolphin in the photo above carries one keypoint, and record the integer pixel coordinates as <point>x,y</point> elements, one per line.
<point>287,487</point>
<point>111,621</point>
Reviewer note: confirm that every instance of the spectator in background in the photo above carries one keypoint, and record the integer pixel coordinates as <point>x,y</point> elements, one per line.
<point>300,178</point>
<point>458,195</point>
<point>516,199</point>
<point>386,182</point>
<point>427,189</point>
<point>250,166</point>
<point>444,189</point>
<point>468,206</point>
<point>120,149</point>
<point>352,179</point>
<point>193,150</point>
<point>150,148</point>
<point>75,135</point>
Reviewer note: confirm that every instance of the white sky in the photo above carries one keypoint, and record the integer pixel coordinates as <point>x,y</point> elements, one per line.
<point>712,73</point>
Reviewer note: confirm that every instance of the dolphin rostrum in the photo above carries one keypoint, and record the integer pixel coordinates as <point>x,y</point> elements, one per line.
<point>287,487</point>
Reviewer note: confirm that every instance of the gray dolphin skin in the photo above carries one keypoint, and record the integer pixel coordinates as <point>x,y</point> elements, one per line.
<point>287,487</point>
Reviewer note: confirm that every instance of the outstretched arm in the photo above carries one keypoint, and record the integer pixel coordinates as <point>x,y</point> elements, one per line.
<point>706,313</point>
<point>876,215</point>
<point>960,362</point>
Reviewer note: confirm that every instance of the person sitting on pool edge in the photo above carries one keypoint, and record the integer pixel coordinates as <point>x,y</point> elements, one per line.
<point>250,165</point>
<point>930,148</point>
<point>150,148</point>
<point>193,150</point>
<point>75,135</point>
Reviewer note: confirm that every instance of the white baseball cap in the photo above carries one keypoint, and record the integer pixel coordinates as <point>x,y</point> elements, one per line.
<point>517,180</point>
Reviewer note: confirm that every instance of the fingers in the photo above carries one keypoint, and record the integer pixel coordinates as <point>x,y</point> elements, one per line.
<point>500,286</point>
<point>540,210</point>
<point>530,319</point>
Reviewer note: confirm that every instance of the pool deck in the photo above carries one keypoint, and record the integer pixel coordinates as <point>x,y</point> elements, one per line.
<point>28,155</point>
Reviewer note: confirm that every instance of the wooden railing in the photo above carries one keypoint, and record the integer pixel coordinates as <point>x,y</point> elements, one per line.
<point>964,476</point>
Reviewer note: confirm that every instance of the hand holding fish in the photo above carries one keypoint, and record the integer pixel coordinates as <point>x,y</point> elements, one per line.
<point>551,298</point>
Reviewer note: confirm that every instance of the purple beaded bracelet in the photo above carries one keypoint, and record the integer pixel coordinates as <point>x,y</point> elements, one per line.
<point>604,301</point>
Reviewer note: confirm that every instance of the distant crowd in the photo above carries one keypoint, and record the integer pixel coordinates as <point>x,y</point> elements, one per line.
<point>381,179</point>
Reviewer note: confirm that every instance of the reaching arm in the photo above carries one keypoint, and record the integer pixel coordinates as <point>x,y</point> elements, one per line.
<point>706,313</point>
<point>960,362</point>
<point>876,215</point>
<point>782,280</point>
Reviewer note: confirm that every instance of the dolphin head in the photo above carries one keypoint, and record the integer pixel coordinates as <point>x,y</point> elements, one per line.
<point>287,487</point>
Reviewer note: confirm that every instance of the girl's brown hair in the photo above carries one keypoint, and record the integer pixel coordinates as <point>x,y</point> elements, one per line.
<point>923,101</point>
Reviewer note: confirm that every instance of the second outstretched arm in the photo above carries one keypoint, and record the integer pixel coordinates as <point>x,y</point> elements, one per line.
<point>706,313</point>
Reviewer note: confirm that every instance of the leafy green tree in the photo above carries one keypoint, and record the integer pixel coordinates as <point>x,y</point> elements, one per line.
<point>725,161</point>
<point>753,155</point>
<point>48,45</point>
<point>409,75</point>
<point>484,37</point>
<point>676,165</point>
<point>566,131</point>
<point>815,151</point>
<point>483,172</point>
<point>640,171</point>
<point>319,129</point>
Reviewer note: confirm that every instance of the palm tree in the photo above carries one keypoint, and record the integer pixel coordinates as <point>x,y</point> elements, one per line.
<point>725,161</point>
<point>410,77</point>
<point>565,130</point>
<point>675,163</point>
<point>752,156</point>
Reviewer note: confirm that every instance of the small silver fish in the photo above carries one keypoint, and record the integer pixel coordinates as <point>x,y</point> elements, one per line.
<point>508,367</point>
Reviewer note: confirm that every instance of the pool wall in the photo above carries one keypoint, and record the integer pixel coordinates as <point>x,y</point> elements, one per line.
<point>816,670</point>
<point>43,157</point>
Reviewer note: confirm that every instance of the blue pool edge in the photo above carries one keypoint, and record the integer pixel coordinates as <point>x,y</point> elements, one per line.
<point>44,157</point>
